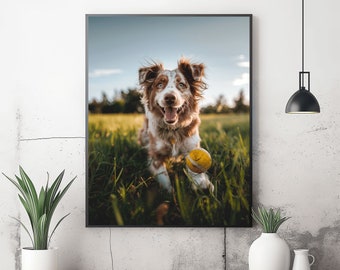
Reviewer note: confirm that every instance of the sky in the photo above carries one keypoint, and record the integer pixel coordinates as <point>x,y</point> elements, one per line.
<point>118,45</point>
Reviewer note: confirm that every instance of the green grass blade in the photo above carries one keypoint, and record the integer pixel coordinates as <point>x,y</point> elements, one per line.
<point>116,210</point>
<point>184,202</point>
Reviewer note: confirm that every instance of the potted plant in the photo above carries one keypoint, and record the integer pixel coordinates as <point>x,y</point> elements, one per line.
<point>40,208</point>
<point>269,251</point>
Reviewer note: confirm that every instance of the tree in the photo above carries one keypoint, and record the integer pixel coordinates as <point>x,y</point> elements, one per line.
<point>124,102</point>
<point>94,106</point>
<point>240,105</point>
<point>132,101</point>
<point>222,105</point>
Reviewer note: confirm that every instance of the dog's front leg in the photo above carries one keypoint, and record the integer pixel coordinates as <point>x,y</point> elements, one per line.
<point>158,169</point>
<point>201,180</point>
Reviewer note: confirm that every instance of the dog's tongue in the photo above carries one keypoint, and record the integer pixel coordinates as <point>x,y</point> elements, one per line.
<point>170,114</point>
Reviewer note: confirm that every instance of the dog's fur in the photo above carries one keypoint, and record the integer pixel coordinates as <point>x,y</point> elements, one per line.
<point>171,103</point>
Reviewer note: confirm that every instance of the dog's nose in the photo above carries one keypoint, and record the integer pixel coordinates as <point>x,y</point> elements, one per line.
<point>170,99</point>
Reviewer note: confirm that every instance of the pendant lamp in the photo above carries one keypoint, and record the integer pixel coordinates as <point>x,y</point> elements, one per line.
<point>303,101</point>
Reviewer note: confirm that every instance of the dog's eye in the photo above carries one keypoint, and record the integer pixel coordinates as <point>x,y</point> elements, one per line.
<point>159,86</point>
<point>181,85</point>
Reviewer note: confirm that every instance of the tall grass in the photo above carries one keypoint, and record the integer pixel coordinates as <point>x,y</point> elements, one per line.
<point>121,191</point>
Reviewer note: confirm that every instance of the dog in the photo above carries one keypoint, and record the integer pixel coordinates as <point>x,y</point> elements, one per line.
<point>171,127</point>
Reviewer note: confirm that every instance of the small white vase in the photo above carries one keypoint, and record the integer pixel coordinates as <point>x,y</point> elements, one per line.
<point>301,260</point>
<point>39,259</point>
<point>269,252</point>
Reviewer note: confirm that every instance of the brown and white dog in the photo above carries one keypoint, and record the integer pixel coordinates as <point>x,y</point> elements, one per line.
<point>171,102</point>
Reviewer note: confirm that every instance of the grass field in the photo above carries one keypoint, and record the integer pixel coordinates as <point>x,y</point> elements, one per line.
<point>121,191</point>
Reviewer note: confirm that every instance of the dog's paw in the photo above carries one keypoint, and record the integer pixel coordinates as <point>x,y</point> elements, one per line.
<point>201,180</point>
<point>164,181</point>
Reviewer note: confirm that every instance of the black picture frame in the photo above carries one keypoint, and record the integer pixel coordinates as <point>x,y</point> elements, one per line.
<point>120,190</point>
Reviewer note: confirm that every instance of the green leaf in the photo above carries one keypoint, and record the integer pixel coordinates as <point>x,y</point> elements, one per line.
<point>19,187</point>
<point>41,202</point>
<point>29,185</point>
<point>56,201</point>
<point>56,226</point>
<point>40,208</point>
<point>42,232</point>
<point>23,225</point>
<point>25,205</point>
<point>31,195</point>
<point>268,219</point>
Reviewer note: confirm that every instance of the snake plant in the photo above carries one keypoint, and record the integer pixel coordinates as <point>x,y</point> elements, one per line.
<point>39,208</point>
<point>268,219</point>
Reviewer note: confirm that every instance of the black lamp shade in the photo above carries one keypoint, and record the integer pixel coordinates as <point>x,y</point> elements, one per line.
<point>302,101</point>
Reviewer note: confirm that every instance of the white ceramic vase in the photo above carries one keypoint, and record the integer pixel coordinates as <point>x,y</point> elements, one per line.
<point>39,259</point>
<point>269,252</point>
<point>301,260</point>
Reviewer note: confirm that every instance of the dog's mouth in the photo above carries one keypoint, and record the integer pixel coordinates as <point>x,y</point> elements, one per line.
<point>171,114</point>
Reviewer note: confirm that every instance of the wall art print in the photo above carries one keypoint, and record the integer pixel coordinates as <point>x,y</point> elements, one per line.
<point>169,134</point>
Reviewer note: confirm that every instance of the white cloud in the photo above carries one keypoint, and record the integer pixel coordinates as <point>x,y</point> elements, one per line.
<point>242,61</point>
<point>104,72</point>
<point>243,64</point>
<point>242,81</point>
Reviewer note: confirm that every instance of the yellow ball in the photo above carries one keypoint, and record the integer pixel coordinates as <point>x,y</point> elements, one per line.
<point>198,160</point>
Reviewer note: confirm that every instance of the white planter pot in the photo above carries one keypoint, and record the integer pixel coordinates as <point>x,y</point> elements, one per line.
<point>269,252</point>
<point>39,259</point>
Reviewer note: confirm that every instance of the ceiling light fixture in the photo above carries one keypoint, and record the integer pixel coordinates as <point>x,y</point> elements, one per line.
<point>303,101</point>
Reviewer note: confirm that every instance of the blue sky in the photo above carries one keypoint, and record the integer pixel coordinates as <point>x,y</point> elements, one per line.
<point>118,45</point>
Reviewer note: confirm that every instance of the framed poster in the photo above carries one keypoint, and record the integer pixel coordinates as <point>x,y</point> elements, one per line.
<point>169,133</point>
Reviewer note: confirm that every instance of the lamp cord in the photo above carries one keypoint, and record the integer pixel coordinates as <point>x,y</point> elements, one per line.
<point>303,37</point>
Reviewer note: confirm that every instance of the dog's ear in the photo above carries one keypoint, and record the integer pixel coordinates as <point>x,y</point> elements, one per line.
<point>193,72</point>
<point>197,71</point>
<point>149,74</point>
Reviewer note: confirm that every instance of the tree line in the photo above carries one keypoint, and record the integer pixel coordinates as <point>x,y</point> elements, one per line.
<point>129,102</point>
